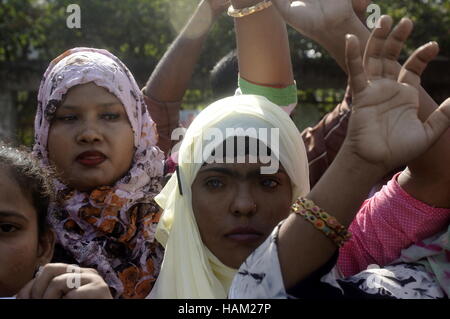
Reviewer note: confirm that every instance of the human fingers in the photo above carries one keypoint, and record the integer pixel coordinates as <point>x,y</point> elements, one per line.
<point>357,77</point>
<point>393,47</point>
<point>44,277</point>
<point>63,284</point>
<point>373,63</point>
<point>438,122</point>
<point>413,68</point>
<point>95,288</point>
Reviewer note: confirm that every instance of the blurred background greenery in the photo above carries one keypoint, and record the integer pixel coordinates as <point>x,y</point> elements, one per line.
<point>34,32</point>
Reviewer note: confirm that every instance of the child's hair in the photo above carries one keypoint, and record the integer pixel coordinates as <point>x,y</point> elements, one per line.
<point>33,180</point>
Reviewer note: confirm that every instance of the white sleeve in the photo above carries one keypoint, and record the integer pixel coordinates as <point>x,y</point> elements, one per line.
<point>259,277</point>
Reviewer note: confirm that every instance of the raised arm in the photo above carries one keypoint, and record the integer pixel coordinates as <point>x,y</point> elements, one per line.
<point>411,207</point>
<point>328,21</point>
<point>263,47</point>
<point>427,177</point>
<point>383,110</point>
<point>171,77</point>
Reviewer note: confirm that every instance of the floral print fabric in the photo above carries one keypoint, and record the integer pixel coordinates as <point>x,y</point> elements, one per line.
<point>111,228</point>
<point>260,277</point>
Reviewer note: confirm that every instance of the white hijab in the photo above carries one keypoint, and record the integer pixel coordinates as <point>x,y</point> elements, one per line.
<point>189,269</point>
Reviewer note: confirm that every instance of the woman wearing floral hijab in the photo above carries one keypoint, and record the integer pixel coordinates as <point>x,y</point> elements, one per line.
<point>92,124</point>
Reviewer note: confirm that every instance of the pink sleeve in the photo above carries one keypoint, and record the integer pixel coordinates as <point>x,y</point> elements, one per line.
<point>388,222</point>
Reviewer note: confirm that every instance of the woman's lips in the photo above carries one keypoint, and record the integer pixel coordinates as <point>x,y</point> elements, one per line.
<point>91,158</point>
<point>244,235</point>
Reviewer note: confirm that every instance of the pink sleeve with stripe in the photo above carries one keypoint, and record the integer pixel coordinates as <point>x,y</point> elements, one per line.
<point>388,222</point>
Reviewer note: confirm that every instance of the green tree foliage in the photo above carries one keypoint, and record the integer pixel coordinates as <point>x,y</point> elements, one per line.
<point>34,32</point>
<point>139,31</point>
<point>431,19</point>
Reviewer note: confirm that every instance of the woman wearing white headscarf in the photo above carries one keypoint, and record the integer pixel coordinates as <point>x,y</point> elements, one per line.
<point>190,269</point>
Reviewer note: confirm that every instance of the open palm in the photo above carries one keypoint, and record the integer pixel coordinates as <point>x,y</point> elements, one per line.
<point>384,128</point>
<point>312,16</point>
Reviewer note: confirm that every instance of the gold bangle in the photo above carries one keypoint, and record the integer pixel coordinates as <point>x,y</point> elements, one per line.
<point>239,13</point>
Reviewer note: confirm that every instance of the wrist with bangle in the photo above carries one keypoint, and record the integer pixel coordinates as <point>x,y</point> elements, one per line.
<point>321,220</point>
<point>243,12</point>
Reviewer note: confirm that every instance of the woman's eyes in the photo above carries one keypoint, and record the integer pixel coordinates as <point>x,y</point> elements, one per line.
<point>104,116</point>
<point>8,228</point>
<point>66,118</point>
<point>217,183</point>
<point>110,116</point>
<point>214,183</point>
<point>270,183</point>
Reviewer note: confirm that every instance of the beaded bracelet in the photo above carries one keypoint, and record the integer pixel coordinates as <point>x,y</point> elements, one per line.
<point>320,213</point>
<point>239,13</point>
<point>321,220</point>
<point>329,220</point>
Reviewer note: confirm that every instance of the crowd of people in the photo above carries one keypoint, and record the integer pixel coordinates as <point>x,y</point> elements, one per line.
<point>357,206</point>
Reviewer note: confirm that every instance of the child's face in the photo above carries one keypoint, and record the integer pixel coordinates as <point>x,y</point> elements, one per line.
<point>21,251</point>
<point>91,141</point>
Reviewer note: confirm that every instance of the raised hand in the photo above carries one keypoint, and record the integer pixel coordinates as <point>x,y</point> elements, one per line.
<point>313,17</point>
<point>384,128</point>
